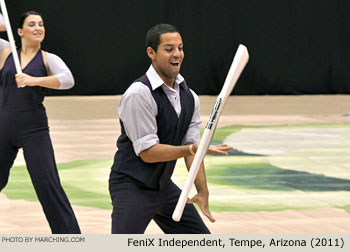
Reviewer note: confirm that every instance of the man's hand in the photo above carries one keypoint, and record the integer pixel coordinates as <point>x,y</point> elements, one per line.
<point>201,199</point>
<point>215,149</point>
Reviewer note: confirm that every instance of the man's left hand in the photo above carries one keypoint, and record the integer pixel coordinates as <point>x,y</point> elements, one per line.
<point>201,199</point>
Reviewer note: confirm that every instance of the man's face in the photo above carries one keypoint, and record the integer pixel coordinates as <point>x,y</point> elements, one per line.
<point>168,58</point>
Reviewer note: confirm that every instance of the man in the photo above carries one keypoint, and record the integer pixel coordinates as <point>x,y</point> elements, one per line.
<point>160,121</point>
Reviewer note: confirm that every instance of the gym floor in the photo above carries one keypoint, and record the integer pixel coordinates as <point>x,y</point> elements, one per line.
<point>286,135</point>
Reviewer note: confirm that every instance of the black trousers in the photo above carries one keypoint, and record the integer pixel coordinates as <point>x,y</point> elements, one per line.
<point>134,206</point>
<point>29,130</point>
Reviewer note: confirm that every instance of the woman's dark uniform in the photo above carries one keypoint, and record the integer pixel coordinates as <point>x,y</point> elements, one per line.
<point>23,124</point>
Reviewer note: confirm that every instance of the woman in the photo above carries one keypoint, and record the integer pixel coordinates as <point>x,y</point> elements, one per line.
<point>23,120</point>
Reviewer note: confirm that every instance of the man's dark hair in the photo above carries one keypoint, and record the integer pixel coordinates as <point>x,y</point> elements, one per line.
<point>25,15</point>
<point>153,35</point>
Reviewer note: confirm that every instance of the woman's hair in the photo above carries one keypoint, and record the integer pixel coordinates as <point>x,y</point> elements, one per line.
<point>24,16</point>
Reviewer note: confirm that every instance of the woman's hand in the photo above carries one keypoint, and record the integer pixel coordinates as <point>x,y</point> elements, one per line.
<point>25,80</point>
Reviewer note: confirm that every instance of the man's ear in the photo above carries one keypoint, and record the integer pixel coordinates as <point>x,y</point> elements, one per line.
<point>151,53</point>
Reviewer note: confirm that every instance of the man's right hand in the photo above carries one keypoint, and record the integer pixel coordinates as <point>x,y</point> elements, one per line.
<point>215,149</point>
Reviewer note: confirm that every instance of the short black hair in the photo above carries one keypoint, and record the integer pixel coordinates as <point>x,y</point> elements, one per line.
<point>25,15</point>
<point>153,35</point>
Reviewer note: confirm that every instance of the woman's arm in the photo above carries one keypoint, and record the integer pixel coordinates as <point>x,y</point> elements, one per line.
<point>60,77</point>
<point>59,69</point>
<point>5,50</point>
<point>2,23</point>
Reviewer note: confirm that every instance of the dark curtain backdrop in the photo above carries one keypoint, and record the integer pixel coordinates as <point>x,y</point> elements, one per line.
<point>295,46</point>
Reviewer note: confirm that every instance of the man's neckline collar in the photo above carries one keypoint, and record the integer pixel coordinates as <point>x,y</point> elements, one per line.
<point>156,81</point>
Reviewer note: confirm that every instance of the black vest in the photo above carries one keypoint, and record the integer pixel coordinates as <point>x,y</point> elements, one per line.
<point>13,98</point>
<point>171,130</point>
